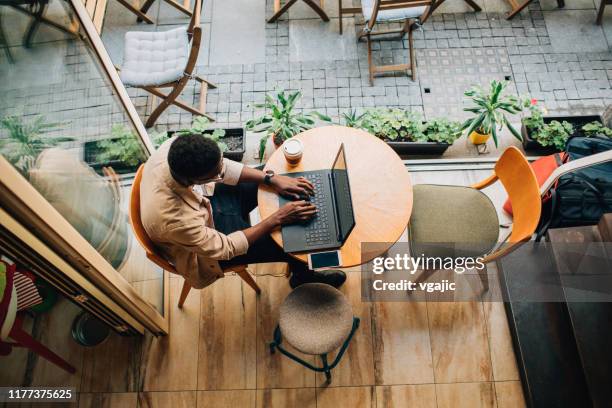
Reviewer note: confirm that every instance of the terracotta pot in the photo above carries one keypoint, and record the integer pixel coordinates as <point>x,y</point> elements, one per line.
<point>479,138</point>
<point>270,148</point>
<point>276,145</point>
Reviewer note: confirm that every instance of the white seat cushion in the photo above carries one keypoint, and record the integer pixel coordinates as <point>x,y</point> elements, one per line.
<point>367,7</point>
<point>154,58</point>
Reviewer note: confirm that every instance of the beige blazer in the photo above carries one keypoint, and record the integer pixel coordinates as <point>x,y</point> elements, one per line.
<point>179,220</point>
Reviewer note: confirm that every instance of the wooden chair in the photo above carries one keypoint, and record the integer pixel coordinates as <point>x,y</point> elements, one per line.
<point>435,4</point>
<point>166,59</point>
<point>473,216</point>
<point>279,11</point>
<point>141,12</point>
<point>410,12</point>
<point>35,10</point>
<point>183,8</point>
<point>519,5</point>
<point>152,252</point>
<point>600,12</point>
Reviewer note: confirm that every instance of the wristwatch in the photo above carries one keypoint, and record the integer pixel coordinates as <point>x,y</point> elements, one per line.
<point>268,177</point>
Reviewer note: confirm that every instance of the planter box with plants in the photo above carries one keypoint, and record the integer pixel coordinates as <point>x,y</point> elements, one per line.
<point>122,151</point>
<point>231,140</point>
<point>544,135</point>
<point>405,131</point>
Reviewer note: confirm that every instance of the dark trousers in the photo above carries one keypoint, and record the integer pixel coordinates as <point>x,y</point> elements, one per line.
<point>231,207</point>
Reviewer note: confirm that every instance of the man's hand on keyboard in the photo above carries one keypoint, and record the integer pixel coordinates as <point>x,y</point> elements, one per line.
<point>295,211</point>
<point>296,188</point>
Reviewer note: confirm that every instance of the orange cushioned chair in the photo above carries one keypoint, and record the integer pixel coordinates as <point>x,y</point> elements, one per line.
<point>466,217</point>
<point>153,255</point>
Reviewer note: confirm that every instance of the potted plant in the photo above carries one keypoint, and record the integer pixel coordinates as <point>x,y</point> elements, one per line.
<point>490,113</point>
<point>545,135</point>
<point>405,131</point>
<point>25,141</point>
<point>281,121</point>
<point>122,151</point>
<point>230,140</point>
<point>352,119</point>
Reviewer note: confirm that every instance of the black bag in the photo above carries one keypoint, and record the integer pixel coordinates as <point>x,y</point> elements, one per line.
<point>583,196</point>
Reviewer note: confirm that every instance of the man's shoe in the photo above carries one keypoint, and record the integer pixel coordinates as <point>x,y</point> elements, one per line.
<point>335,278</point>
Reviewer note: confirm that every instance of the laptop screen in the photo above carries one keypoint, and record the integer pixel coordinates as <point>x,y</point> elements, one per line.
<point>340,179</point>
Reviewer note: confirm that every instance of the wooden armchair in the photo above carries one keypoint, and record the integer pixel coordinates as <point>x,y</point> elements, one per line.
<point>153,254</point>
<point>166,59</point>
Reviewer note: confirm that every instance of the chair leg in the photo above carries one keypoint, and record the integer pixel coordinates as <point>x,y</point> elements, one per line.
<point>26,340</point>
<point>145,7</point>
<point>179,7</point>
<point>326,369</point>
<point>166,101</point>
<point>517,10</point>
<point>317,9</point>
<point>370,66</point>
<point>600,13</point>
<point>141,16</point>
<point>184,293</point>
<point>340,15</point>
<point>246,276</point>
<point>279,12</point>
<point>484,278</point>
<point>411,52</point>
<point>34,24</point>
<point>473,5</point>
<point>172,99</point>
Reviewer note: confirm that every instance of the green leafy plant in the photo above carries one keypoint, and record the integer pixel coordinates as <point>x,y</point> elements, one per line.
<point>442,130</point>
<point>199,125</point>
<point>122,146</point>
<point>400,125</point>
<point>394,124</point>
<point>159,138</point>
<point>535,121</point>
<point>26,140</point>
<point>352,120</point>
<point>596,128</point>
<point>490,110</point>
<point>281,121</point>
<point>554,134</point>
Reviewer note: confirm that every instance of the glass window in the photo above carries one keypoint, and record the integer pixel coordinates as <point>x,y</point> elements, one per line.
<point>64,129</point>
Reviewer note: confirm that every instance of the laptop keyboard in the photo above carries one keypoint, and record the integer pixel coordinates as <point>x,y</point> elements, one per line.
<point>317,231</point>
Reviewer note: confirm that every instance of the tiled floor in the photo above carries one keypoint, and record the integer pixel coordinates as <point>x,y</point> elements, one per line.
<point>404,354</point>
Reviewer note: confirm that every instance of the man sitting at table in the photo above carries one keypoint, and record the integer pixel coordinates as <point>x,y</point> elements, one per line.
<point>195,206</point>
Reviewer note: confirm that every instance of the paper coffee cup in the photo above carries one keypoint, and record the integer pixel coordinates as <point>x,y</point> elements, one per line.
<point>293,148</point>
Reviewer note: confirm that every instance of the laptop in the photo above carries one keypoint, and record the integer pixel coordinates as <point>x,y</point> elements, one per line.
<point>334,220</point>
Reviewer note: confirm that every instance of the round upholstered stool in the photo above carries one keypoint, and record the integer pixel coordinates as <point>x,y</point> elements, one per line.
<point>315,319</point>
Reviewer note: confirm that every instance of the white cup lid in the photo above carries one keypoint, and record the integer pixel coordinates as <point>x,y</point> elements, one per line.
<point>293,146</point>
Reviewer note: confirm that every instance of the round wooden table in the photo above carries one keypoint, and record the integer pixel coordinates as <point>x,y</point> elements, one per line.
<point>380,187</point>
